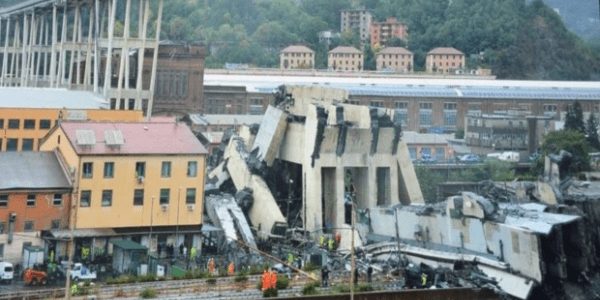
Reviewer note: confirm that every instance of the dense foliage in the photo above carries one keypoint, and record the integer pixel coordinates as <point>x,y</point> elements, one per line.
<point>518,39</point>
<point>569,140</point>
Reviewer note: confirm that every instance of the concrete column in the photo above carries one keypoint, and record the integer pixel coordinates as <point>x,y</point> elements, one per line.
<point>61,61</point>
<point>88,54</point>
<point>143,36</point>
<point>155,59</point>
<point>46,53</point>
<point>74,53</point>
<point>96,46</point>
<point>14,56</point>
<point>5,58</point>
<point>312,199</point>
<point>24,53</point>
<point>340,196</point>
<point>78,44</point>
<point>394,196</point>
<point>54,41</point>
<point>124,54</point>
<point>112,7</point>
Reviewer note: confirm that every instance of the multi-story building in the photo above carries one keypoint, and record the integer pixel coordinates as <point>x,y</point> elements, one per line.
<point>235,100</point>
<point>35,194</point>
<point>28,114</point>
<point>359,20</point>
<point>444,60</point>
<point>132,179</point>
<point>516,131</point>
<point>179,78</point>
<point>297,57</point>
<point>382,32</point>
<point>421,145</point>
<point>344,58</point>
<point>395,59</point>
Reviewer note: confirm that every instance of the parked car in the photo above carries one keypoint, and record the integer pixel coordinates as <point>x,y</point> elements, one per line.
<point>469,158</point>
<point>6,272</point>
<point>428,159</point>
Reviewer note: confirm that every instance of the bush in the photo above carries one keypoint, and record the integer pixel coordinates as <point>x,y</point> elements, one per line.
<point>222,272</point>
<point>266,266</point>
<point>310,267</point>
<point>110,281</point>
<point>130,279</point>
<point>241,276</point>
<point>162,278</point>
<point>343,289</point>
<point>188,275</point>
<point>147,278</point>
<point>270,293</point>
<point>364,288</point>
<point>259,285</point>
<point>309,289</point>
<point>87,283</point>
<point>176,277</point>
<point>211,280</point>
<point>200,274</point>
<point>148,293</point>
<point>282,282</point>
<point>315,283</point>
<point>254,270</point>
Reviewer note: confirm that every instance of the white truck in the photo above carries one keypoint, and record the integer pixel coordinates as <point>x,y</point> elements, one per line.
<point>6,272</point>
<point>81,272</point>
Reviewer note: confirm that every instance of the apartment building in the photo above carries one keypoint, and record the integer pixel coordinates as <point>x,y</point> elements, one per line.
<point>382,32</point>
<point>35,193</point>
<point>397,59</point>
<point>444,60</point>
<point>28,114</point>
<point>358,20</point>
<point>133,177</point>
<point>344,58</point>
<point>297,57</point>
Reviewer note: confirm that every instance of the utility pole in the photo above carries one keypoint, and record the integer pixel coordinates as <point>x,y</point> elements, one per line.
<point>151,219</point>
<point>352,260</point>
<point>289,201</point>
<point>177,227</point>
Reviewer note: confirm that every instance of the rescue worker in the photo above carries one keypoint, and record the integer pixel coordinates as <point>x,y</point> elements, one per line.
<point>192,253</point>
<point>325,276</point>
<point>266,280</point>
<point>424,279</point>
<point>273,279</point>
<point>231,269</point>
<point>290,259</point>
<point>211,266</point>
<point>355,276</point>
<point>331,244</point>
<point>338,238</point>
<point>322,241</point>
<point>74,289</point>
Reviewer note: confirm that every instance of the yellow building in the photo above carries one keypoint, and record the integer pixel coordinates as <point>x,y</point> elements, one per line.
<point>344,58</point>
<point>297,57</point>
<point>28,114</point>
<point>444,60</point>
<point>132,178</point>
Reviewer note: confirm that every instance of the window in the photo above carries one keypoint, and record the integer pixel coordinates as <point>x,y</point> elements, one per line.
<point>109,170</point>
<point>474,109</point>
<point>12,144</point>
<point>166,169</point>
<point>28,226</point>
<point>1,123</point>
<point>164,196</point>
<point>57,200</point>
<point>412,151</point>
<point>27,145</point>
<point>29,124</point>
<point>88,170</point>
<point>192,170</point>
<point>138,197</point>
<point>2,227</point>
<point>45,124</point>
<point>31,200</point>
<point>131,104</point>
<point>140,169</point>
<point>3,200</point>
<point>14,123</point>
<point>190,196</point>
<point>450,114</point>
<point>425,113</point>
<point>107,197</point>
<point>256,106</point>
<point>86,198</point>
<point>376,103</point>
<point>402,111</point>
<point>55,224</point>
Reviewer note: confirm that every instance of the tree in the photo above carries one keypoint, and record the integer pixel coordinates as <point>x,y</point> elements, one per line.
<point>350,38</point>
<point>460,133</point>
<point>572,141</point>
<point>428,180</point>
<point>592,132</point>
<point>396,42</point>
<point>574,117</point>
<point>370,63</point>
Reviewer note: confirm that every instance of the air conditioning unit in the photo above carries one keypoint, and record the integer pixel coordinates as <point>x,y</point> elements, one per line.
<point>164,207</point>
<point>191,207</point>
<point>140,179</point>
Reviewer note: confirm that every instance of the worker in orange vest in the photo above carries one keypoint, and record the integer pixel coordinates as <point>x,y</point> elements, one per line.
<point>211,267</point>
<point>231,269</point>
<point>274,280</point>
<point>266,280</point>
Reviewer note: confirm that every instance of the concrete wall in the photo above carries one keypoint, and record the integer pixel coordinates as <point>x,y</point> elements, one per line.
<point>13,252</point>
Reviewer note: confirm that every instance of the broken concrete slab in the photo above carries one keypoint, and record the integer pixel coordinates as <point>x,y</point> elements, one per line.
<point>269,137</point>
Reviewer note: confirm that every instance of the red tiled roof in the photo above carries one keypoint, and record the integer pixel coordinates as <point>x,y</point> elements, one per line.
<point>345,49</point>
<point>298,48</point>
<point>445,50</point>
<point>139,138</point>
<point>395,50</point>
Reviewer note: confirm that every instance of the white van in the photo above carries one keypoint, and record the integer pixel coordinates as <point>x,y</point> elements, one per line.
<point>6,272</point>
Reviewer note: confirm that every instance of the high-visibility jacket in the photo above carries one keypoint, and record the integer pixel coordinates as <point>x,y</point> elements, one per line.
<point>266,281</point>
<point>231,269</point>
<point>291,258</point>
<point>74,289</point>
<point>274,280</point>
<point>331,243</point>
<point>211,267</point>
<point>322,240</point>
